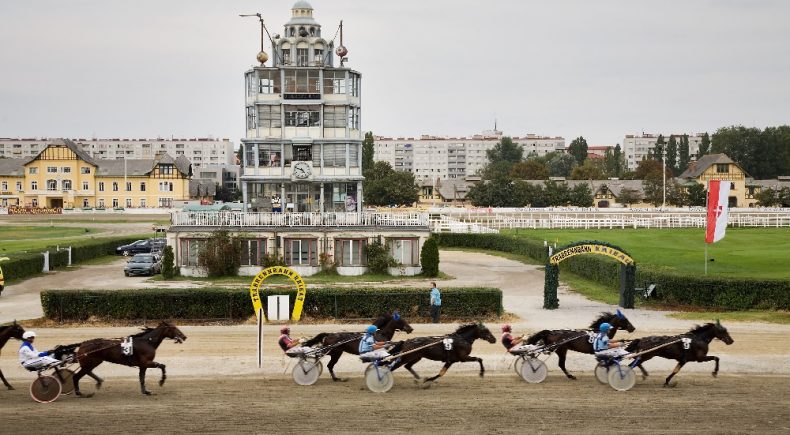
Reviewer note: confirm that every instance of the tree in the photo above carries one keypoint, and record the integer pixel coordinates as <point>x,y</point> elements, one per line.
<point>505,151</point>
<point>561,165</point>
<point>676,194</point>
<point>588,171</point>
<point>647,167</point>
<point>240,155</point>
<point>629,196</point>
<point>578,149</point>
<point>658,149</point>
<point>226,194</point>
<point>429,258</point>
<point>386,186</point>
<point>168,267</point>
<point>696,195</point>
<point>704,146</point>
<point>531,169</point>
<point>653,187</point>
<point>556,194</point>
<point>220,255</point>
<point>379,258</point>
<point>684,158</point>
<point>672,155</point>
<point>368,149</point>
<point>767,197</point>
<point>581,196</point>
<point>614,161</point>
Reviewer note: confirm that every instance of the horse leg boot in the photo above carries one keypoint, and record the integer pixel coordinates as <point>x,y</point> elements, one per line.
<point>142,381</point>
<point>98,380</point>
<point>7,385</point>
<point>674,372</point>
<point>427,383</point>
<point>644,372</point>
<point>711,358</point>
<point>561,353</point>
<point>334,357</point>
<point>411,370</point>
<point>164,373</point>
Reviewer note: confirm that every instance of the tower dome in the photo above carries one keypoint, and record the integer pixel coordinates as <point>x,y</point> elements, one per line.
<point>302,13</point>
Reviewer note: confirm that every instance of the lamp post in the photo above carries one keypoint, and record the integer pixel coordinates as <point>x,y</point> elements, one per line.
<point>664,173</point>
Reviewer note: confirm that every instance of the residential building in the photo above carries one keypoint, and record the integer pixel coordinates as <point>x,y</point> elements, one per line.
<point>61,175</point>
<point>199,151</point>
<point>446,158</point>
<point>721,167</point>
<point>637,147</point>
<point>224,175</point>
<point>303,146</point>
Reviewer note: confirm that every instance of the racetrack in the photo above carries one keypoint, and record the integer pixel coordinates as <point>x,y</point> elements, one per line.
<point>499,403</point>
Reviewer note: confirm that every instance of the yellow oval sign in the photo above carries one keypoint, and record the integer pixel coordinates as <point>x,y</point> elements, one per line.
<point>301,289</point>
<point>591,248</point>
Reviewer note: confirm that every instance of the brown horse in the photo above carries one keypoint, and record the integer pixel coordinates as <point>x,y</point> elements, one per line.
<point>691,346</point>
<point>582,342</point>
<point>94,352</point>
<point>349,341</point>
<point>8,332</point>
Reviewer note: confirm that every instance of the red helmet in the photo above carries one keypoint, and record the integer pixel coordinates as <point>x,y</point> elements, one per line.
<point>506,328</point>
<point>285,330</point>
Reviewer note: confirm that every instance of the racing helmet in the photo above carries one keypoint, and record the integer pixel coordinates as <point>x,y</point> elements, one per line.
<point>371,329</point>
<point>506,328</point>
<point>285,330</point>
<point>28,334</point>
<point>604,327</point>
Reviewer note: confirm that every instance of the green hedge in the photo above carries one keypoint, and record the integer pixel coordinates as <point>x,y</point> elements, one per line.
<point>222,303</point>
<point>20,266</point>
<point>673,288</point>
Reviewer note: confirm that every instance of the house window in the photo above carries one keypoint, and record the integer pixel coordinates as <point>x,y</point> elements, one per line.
<point>52,169</point>
<point>351,252</point>
<point>4,186</point>
<point>286,54</point>
<point>65,170</point>
<point>85,202</point>
<point>115,203</point>
<point>302,116</point>
<point>142,202</point>
<point>142,186</point>
<point>269,82</point>
<point>722,168</point>
<point>52,185</point>
<point>269,155</point>
<point>301,252</point>
<point>66,184</point>
<point>303,153</point>
<point>165,202</point>
<point>405,251</point>
<point>34,202</point>
<point>335,155</point>
<point>34,185</point>
<point>354,79</point>
<point>301,57</point>
<point>128,202</point>
<point>318,54</point>
<point>269,116</point>
<point>101,186</point>
<point>190,249</point>
<point>32,171</point>
<point>85,185</point>
<point>251,121</point>
<point>353,118</point>
<point>165,186</point>
<point>251,251</point>
<point>128,186</point>
<point>166,169</point>
<point>334,82</point>
<point>301,82</point>
<point>114,186</point>
<point>19,185</point>
<point>335,116</point>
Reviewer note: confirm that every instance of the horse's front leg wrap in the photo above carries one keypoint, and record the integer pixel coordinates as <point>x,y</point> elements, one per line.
<point>142,381</point>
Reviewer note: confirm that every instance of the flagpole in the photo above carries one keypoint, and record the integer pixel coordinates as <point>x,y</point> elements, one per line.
<point>707,192</point>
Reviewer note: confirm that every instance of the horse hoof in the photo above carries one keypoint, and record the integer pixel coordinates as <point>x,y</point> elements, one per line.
<point>162,382</point>
<point>11,388</point>
<point>571,377</point>
<point>671,384</point>
<point>715,374</point>
<point>426,385</point>
<point>482,375</point>
<point>98,385</point>
<point>147,393</point>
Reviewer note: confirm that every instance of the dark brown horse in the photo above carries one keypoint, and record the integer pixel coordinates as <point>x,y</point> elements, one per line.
<point>94,352</point>
<point>8,332</point>
<point>349,341</point>
<point>459,343</point>
<point>691,346</point>
<point>583,342</point>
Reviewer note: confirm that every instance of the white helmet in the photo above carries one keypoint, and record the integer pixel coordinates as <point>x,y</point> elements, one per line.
<point>28,334</point>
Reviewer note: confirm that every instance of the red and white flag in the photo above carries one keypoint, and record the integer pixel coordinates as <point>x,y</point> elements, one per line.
<point>718,201</point>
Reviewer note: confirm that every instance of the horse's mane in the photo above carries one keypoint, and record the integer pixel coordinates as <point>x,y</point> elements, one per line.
<point>464,328</point>
<point>605,315</point>
<point>382,320</point>
<point>144,331</point>
<point>701,328</point>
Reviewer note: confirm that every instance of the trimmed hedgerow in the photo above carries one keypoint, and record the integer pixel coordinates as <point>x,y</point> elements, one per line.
<point>222,303</point>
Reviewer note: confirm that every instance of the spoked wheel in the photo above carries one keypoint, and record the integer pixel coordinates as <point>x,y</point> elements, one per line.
<point>66,378</point>
<point>45,389</point>
<point>602,373</point>
<point>534,370</point>
<point>306,372</point>
<point>517,364</point>
<point>622,377</point>
<point>379,381</point>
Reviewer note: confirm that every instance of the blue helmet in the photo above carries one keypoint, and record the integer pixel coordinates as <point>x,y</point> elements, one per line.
<point>604,327</point>
<point>371,329</point>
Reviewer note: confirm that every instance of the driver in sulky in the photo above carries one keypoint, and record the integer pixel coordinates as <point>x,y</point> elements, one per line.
<point>30,358</point>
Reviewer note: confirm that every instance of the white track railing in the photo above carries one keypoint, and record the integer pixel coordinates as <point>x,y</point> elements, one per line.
<point>240,219</point>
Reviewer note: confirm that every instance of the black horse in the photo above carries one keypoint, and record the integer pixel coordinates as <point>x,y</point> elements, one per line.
<point>583,341</point>
<point>691,346</point>
<point>94,352</point>
<point>8,332</point>
<point>459,343</point>
<point>349,341</point>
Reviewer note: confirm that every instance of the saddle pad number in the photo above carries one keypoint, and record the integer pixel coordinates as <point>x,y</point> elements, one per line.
<point>686,343</point>
<point>591,336</point>
<point>127,346</point>
<point>448,343</point>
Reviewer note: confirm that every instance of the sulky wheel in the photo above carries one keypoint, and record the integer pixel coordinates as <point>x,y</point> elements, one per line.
<point>602,373</point>
<point>379,381</point>
<point>517,364</point>
<point>306,372</point>
<point>534,370</point>
<point>45,389</point>
<point>621,377</point>
<point>65,376</point>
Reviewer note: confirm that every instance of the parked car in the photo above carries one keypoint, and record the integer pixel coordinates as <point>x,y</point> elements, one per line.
<point>142,264</point>
<point>138,247</point>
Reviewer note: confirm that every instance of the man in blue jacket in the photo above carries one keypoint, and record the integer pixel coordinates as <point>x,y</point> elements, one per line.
<point>436,303</point>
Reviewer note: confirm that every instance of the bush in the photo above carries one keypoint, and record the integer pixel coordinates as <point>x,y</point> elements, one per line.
<point>168,266</point>
<point>223,303</point>
<point>494,242</point>
<point>328,266</point>
<point>221,255</point>
<point>429,258</point>
<point>379,258</point>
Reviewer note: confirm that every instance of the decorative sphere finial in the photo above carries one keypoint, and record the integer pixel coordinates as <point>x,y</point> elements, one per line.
<point>341,51</point>
<point>262,57</point>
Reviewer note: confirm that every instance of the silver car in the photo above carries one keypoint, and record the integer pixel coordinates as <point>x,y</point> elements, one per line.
<point>143,264</point>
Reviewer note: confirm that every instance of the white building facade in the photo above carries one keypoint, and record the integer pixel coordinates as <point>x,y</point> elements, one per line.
<point>435,157</point>
<point>637,147</point>
<point>199,151</point>
<point>303,147</point>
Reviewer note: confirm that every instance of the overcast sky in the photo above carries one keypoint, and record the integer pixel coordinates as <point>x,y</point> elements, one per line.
<point>601,69</point>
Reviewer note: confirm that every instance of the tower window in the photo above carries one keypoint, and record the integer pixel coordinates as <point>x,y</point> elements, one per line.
<point>301,57</point>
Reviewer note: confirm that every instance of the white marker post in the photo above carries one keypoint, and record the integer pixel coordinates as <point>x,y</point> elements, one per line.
<point>260,337</point>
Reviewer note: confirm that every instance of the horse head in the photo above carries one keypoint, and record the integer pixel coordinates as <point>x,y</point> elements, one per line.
<point>172,332</point>
<point>619,320</point>
<point>14,330</point>
<point>722,334</point>
<point>485,333</point>
<point>400,323</point>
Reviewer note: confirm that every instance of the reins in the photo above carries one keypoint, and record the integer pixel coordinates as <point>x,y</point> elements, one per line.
<point>391,357</point>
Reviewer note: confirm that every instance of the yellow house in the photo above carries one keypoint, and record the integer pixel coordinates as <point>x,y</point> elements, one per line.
<point>721,167</point>
<point>63,176</point>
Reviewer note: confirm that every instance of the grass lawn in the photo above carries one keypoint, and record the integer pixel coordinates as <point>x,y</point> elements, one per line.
<point>782,317</point>
<point>743,253</point>
<point>17,239</point>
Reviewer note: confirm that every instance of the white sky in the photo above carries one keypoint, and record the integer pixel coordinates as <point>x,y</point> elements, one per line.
<point>601,69</point>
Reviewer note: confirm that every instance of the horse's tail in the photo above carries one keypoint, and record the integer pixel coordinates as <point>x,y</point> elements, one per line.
<point>317,339</point>
<point>540,336</point>
<point>633,346</point>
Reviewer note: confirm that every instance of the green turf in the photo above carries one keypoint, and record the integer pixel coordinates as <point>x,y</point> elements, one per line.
<point>782,317</point>
<point>24,238</point>
<point>743,253</point>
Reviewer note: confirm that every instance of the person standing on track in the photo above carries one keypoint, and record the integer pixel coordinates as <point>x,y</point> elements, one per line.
<point>436,303</point>
<point>369,348</point>
<point>603,347</point>
<point>30,358</point>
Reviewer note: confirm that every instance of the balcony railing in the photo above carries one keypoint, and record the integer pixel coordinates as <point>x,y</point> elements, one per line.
<point>240,219</point>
